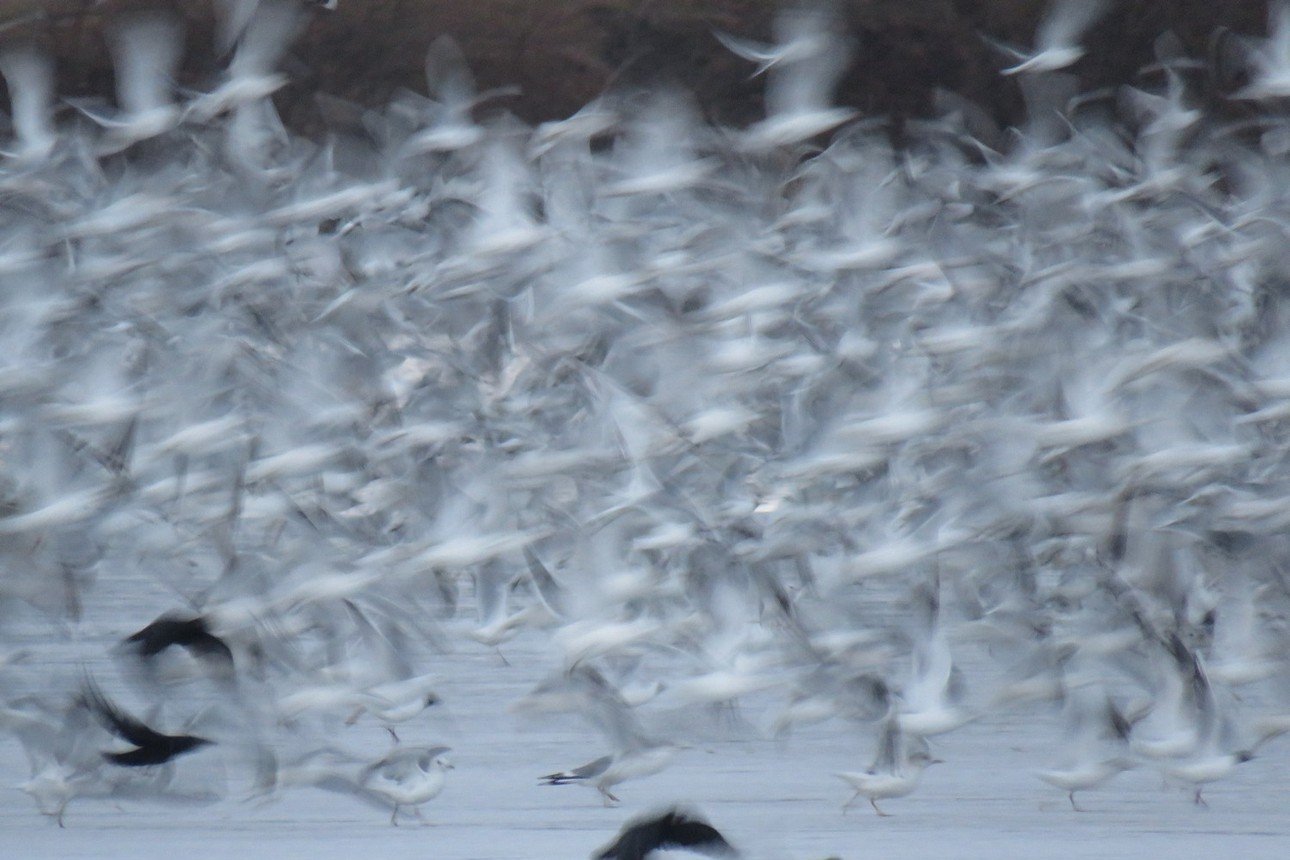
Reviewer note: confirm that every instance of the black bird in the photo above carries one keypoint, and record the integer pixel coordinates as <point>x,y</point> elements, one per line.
<point>152,747</point>
<point>671,829</point>
<point>191,633</point>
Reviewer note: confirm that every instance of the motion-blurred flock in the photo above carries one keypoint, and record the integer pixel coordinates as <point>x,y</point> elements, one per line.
<point>900,437</point>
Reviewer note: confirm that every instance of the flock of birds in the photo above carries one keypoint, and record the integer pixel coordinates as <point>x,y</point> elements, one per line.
<point>782,413</point>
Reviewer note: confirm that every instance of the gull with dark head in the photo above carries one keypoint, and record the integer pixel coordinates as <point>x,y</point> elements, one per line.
<point>636,753</point>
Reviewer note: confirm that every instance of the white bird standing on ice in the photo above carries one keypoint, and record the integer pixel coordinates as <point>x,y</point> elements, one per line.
<point>799,89</point>
<point>407,776</point>
<point>895,771</point>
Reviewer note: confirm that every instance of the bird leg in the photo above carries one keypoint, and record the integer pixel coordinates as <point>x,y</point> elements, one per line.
<point>353,718</point>
<point>1198,800</point>
<point>1075,806</point>
<point>874,804</point>
<point>608,795</point>
<point>394,816</point>
<point>847,805</point>
<point>393,734</point>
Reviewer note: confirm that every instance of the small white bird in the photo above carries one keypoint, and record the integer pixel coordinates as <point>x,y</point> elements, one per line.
<point>1091,717</point>
<point>448,122</point>
<point>799,90</point>
<point>895,771</point>
<point>636,753</point>
<point>29,75</point>
<point>1057,37</point>
<point>250,76</point>
<point>798,43</point>
<point>1271,61</point>
<point>407,777</point>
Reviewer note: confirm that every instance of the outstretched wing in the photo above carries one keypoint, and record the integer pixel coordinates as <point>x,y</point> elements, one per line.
<point>578,774</point>
<point>117,721</point>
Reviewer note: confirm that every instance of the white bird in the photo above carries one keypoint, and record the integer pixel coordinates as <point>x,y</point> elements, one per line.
<point>797,43</point>
<point>231,20</point>
<point>895,771</point>
<point>407,776</point>
<point>29,75</point>
<point>146,50</point>
<point>655,154</point>
<point>1092,719</point>
<point>799,91</point>
<point>927,703</point>
<point>1271,60</point>
<point>1057,37</point>
<point>608,771</point>
<point>449,125</point>
<point>250,76</point>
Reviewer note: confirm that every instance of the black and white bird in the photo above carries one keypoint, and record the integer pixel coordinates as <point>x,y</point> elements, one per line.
<point>146,53</point>
<point>671,831</point>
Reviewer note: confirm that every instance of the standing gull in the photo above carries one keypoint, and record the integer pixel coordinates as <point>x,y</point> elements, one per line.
<point>895,771</point>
